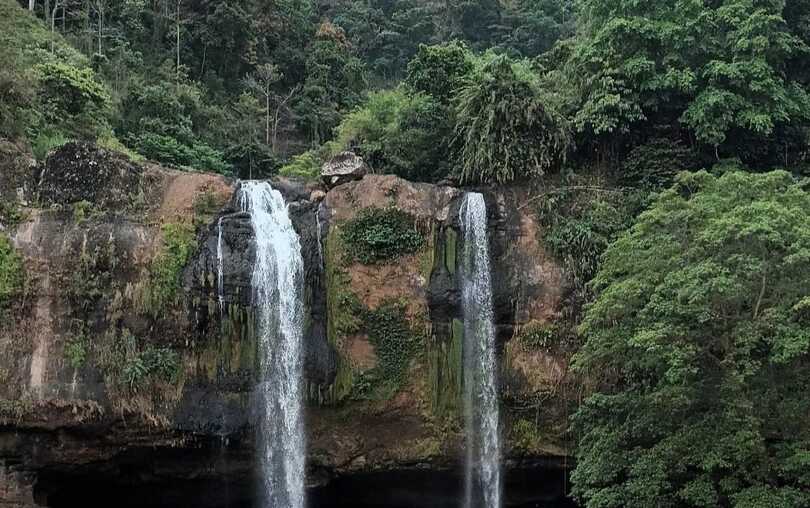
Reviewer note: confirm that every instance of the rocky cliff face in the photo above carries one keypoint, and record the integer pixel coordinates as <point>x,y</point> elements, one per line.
<point>125,367</point>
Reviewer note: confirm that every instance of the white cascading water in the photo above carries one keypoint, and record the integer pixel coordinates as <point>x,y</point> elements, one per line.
<point>277,285</point>
<point>220,260</point>
<point>482,468</point>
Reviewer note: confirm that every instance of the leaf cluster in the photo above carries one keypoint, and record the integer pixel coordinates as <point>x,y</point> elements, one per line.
<point>11,271</point>
<point>380,235</point>
<point>699,349</point>
<point>506,126</point>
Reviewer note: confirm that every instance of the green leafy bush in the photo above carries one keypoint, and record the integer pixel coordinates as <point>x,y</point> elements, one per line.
<point>378,235</point>
<point>655,163</point>
<point>68,92</point>
<point>525,435</point>
<point>439,70</point>
<point>698,347</point>
<point>108,141</point>
<point>153,363</point>
<point>132,366</point>
<point>400,132</point>
<point>306,165</point>
<point>395,344</point>
<point>76,351</point>
<point>45,141</point>
<point>167,268</point>
<point>507,127</point>
<point>582,219</point>
<point>168,149</point>
<point>11,271</point>
<point>10,213</point>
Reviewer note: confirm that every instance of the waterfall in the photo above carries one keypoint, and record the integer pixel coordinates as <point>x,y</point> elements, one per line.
<point>277,286</point>
<point>220,289</point>
<point>482,468</point>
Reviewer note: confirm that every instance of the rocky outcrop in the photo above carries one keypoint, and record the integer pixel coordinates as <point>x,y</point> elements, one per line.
<point>79,172</point>
<point>528,290</point>
<point>343,168</point>
<point>125,361</point>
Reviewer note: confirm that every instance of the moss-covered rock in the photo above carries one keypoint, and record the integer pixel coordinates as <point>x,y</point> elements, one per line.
<point>83,172</point>
<point>11,272</point>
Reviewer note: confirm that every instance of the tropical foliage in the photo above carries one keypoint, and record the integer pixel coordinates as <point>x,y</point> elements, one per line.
<point>506,126</point>
<point>699,346</point>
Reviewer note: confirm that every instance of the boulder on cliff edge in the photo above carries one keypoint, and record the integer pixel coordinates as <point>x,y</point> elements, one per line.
<point>343,168</point>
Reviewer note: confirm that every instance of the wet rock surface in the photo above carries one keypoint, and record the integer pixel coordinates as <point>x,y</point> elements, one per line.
<point>82,172</point>
<point>91,269</point>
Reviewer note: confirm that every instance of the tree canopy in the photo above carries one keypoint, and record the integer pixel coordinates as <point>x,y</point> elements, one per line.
<point>506,126</point>
<point>718,69</point>
<point>699,345</point>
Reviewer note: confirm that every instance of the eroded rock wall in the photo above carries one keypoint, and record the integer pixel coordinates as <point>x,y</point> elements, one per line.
<point>119,353</point>
<point>421,412</point>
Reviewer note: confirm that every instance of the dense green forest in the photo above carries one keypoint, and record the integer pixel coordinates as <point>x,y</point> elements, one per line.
<point>674,137</point>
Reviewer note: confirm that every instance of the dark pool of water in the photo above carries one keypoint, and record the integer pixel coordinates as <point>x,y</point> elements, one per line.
<point>524,488</point>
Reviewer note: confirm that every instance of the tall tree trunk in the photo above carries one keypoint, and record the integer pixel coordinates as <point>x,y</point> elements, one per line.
<point>267,118</point>
<point>32,4</point>
<point>275,129</point>
<point>100,26</point>
<point>53,20</point>
<point>177,23</point>
<point>53,15</point>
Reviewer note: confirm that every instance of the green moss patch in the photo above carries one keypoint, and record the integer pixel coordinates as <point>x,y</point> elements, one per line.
<point>379,235</point>
<point>168,265</point>
<point>76,351</point>
<point>395,341</point>
<point>525,435</point>
<point>445,371</point>
<point>131,366</point>
<point>11,272</point>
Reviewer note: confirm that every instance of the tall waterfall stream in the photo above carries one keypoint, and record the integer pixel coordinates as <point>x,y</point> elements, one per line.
<point>277,285</point>
<point>277,290</point>
<point>482,468</point>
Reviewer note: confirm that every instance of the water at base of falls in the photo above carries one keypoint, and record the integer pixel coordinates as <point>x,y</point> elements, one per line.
<point>482,467</point>
<point>277,290</point>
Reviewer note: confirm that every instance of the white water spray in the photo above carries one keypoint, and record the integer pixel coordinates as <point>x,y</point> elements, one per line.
<point>277,286</point>
<point>482,468</point>
<point>220,256</point>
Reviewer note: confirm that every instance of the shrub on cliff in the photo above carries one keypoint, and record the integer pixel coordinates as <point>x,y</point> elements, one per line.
<point>378,235</point>
<point>699,346</point>
<point>167,267</point>
<point>306,165</point>
<point>400,132</point>
<point>10,272</point>
<point>507,126</point>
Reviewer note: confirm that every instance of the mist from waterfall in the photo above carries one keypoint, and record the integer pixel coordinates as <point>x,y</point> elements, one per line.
<point>277,282</point>
<point>482,467</point>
